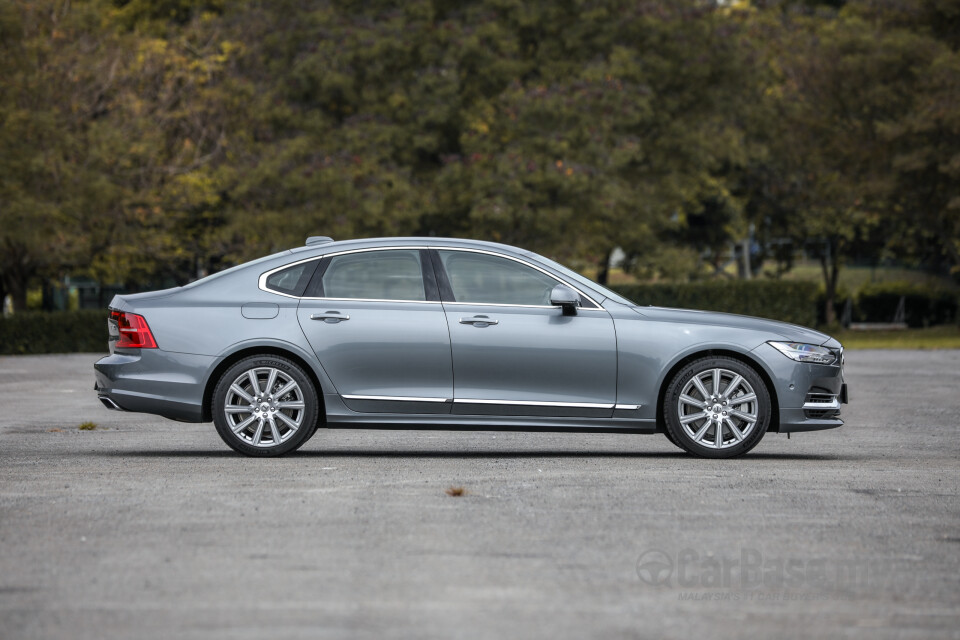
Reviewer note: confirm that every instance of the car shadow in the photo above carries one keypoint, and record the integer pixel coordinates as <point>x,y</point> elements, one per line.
<point>478,454</point>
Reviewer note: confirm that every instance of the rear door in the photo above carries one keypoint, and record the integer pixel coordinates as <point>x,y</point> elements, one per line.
<point>513,352</point>
<point>374,319</point>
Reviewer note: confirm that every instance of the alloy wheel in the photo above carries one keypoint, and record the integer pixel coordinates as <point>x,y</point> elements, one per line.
<point>718,408</point>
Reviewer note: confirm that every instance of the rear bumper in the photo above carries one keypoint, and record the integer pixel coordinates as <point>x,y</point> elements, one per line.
<point>154,381</point>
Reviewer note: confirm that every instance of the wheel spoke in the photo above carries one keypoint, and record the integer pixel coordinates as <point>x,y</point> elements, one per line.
<point>254,383</point>
<point>240,392</point>
<point>736,402</point>
<point>687,419</point>
<point>243,424</point>
<point>271,380</point>
<point>716,382</point>
<point>294,404</point>
<point>274,432</point>
<point>691,400</point>
<point>732,386</point>
<point>699,434</point>
<point>699,385</point>
<point>290,423</point>
<point>748,417</point>
<point>733,429</point>
<point>235,408</point>
<point>258,433</point>
<point>718,436</point>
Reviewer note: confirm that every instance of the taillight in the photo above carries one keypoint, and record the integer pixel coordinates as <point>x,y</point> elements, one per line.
<point>134,332</point>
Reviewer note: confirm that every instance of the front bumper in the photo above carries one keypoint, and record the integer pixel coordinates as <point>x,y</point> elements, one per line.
<point>154,381</point>
<point>809,396</point>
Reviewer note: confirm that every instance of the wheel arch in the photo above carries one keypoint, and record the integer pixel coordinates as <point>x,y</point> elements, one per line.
<point>748,360</point>
<point>246,351</point>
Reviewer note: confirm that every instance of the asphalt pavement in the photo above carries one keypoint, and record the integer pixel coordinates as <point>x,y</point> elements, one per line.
<point>148,528</point>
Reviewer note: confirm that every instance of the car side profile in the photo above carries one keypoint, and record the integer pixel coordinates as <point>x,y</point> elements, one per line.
<point>428,333</point>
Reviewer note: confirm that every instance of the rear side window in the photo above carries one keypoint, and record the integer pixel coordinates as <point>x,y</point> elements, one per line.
<point>375,275</point>
<point>292,280</point>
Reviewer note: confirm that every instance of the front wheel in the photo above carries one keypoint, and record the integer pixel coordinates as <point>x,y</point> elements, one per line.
<point>717,407</point>
<point>265,406</point>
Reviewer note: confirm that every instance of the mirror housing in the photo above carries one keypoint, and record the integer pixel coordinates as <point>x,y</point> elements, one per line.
<point>565,298</point>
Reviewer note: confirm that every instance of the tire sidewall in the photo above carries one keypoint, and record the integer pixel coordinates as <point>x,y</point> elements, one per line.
<point>310,400</point>
<point>672,397</point>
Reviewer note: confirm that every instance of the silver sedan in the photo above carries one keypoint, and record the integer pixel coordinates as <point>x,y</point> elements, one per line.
<point>427,333</point>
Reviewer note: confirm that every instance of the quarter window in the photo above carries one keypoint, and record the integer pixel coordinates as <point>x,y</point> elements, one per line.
<point>292,280</point>
<point>485,279</point>
<point>375,275</point>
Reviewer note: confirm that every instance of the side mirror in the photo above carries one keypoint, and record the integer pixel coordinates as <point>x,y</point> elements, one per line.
<point>565,297</point>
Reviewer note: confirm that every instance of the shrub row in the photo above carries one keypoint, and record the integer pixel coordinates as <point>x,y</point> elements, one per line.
<point>924,305</point>
<point>794,302</point>
<point>55,332</point>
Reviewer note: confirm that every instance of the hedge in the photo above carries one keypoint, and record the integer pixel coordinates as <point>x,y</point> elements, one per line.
<point>54,332</point>
<point>794,302</point>
<point>924,305</point>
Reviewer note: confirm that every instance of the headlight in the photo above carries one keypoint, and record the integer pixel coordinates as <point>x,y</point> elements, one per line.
<point>805,352</point>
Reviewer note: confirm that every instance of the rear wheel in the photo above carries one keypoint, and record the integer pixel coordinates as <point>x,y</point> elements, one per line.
<point>717,407</point>
<point>265,406</point>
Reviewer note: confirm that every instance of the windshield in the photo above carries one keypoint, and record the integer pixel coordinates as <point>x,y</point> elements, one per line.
<point>587,282</point>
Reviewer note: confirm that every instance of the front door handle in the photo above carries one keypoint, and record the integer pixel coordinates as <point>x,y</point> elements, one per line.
<point>330,317</point>
<point>479,321</point>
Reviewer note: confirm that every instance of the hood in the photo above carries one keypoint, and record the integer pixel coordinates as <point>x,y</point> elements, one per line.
<point>792,332</point>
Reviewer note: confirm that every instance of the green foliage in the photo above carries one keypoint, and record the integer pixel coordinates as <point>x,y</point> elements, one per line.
<point>924,306</point>
<point>787,301</point>
<point>61,332</point>
<point>154,141</point>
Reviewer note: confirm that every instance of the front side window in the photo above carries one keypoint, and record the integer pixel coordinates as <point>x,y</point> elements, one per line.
<point>485,279</point>
<point>375,275</point>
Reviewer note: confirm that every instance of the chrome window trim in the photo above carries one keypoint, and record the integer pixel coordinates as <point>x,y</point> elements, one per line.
<point>519,306</point>
<point>525,263</point>
<point>374,300</point>
<point>262,282</point>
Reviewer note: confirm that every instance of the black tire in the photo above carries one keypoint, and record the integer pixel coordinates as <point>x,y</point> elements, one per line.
<point>247,440</point>
<point>731,446</point>
<point>669,435</point>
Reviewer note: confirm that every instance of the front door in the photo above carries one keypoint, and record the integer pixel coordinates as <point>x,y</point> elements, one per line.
<point>516,354</point>
<point>374,319</point>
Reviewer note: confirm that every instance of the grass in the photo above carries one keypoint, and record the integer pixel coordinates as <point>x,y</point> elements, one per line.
<point>943,337</point>
<point>456,492</point>
<point>87,426</point>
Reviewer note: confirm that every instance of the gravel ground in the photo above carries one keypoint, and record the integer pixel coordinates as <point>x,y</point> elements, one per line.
<point>146,528</point>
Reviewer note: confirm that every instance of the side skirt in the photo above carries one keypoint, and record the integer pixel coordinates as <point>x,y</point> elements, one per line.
<point>340,417</point>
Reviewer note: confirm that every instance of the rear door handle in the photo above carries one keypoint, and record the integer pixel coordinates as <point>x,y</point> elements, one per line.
<point>479,321</point>
<point>330,317</point>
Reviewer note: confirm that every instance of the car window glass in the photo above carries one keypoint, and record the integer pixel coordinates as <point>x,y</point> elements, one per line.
<point>482,278</point>
<point>375,275</point>
<point>291,280</point>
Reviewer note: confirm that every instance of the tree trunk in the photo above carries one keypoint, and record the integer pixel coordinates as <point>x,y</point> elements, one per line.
<point>830,267</point>
<point>18,292</point>
<point>603,273</point>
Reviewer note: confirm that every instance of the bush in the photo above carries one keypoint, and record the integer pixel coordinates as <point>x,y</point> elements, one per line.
<point>794,302</point>
<point>924,305</point>
<point>54,332</point>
